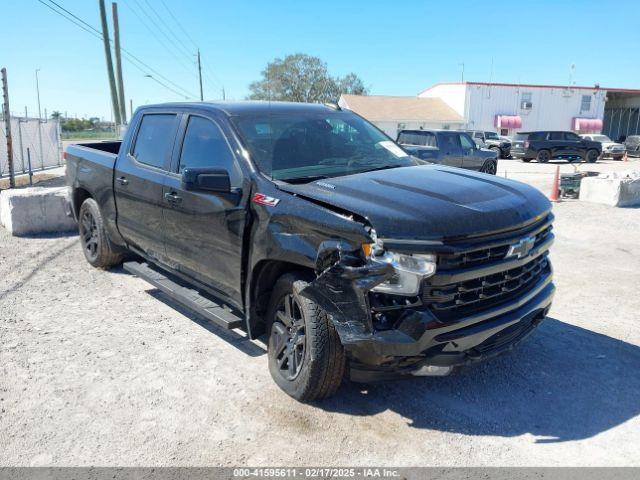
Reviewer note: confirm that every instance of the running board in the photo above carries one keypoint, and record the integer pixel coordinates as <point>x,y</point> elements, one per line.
<point>186,296</point>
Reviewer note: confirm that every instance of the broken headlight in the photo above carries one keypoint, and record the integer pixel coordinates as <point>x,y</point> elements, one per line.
<point>410,270</point>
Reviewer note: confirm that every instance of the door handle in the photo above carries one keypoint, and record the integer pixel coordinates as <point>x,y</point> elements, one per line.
<point>172,197</point>
<point>122,180</point>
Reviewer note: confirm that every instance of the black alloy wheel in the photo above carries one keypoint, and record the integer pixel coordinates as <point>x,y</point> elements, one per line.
<point>89,235</point>
<point>288,338</point>
<point>490,167</point>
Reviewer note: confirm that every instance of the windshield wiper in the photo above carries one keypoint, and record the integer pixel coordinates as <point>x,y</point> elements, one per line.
<point>304,179</point>
<point>382,167</point>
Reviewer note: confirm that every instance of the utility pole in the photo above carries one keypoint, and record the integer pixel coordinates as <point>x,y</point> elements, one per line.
<point>224,96</point>
<point>116,38</point>
<point>107,55</point>
<point>41,152</point>
<point>462,73</point>
<point>131,108</point>
<point>6,114</point>
<point>200,76</point>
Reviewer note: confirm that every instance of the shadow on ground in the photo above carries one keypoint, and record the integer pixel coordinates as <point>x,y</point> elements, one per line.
<point>564,383</point>
<point>234,339</point>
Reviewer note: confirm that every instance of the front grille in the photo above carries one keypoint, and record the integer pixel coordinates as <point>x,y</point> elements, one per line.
<point>485,255</point>
<point>454,301</point>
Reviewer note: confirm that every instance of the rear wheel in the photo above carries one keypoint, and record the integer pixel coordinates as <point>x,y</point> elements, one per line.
<point>93,237</point>
<point>490,167</point>
<point>591,156</point>
<point>543,156</point>
<point>306,358</point>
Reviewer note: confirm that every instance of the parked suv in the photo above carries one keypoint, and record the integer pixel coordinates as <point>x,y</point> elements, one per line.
<point>610,149</point>
<point>492,141</point>
<point>448,147</point>
<point>546,145</point>
<point>632,145</point>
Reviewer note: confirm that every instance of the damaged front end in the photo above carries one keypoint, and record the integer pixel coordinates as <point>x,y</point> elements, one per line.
<point>423,312</point>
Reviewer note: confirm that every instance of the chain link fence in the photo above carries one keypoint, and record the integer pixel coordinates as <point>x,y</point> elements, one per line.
<point>41,138</point>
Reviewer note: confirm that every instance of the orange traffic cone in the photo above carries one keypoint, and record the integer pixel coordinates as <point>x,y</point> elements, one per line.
<point>555,192</point>
<point>626,157</point>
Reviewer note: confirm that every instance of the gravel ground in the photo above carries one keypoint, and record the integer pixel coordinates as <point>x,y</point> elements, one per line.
<point>98,368</point>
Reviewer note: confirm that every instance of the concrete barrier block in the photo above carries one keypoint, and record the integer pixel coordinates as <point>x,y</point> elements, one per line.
<point>27,211</point>
<point>620,189</point>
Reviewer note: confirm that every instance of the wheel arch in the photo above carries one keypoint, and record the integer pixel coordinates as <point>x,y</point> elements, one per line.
<point>78,196</point>
<point>263,278</point>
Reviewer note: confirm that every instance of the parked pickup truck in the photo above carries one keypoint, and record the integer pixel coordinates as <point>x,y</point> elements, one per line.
<point>309,225</point>
<point>447,147</point>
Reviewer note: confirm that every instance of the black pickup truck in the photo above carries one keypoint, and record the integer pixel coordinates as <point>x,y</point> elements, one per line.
<point>448,147</point>
<point>308,225</point>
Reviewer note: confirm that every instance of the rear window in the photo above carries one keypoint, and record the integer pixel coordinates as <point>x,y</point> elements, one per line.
<point>425,139</point>
<point>155,139</point>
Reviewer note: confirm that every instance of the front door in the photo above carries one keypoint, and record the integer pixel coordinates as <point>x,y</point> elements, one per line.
<point>450,149</point>
<point>139,176</point>
<point>574,144</point>
<point>204,230</point>
<point>470,157</point>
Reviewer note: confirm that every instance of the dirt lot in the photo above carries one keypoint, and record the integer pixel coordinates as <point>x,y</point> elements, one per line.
<point>98,368</point>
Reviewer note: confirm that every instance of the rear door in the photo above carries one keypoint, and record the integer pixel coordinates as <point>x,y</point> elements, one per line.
<point>450,148</point>
<point>140,172</point>
<point>204,230</point>
<point>470,157</point>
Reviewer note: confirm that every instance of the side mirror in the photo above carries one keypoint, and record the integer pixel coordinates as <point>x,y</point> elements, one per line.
<point>206,179</point>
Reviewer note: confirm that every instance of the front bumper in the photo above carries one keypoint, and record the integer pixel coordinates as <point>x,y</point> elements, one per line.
<point>383,354</point>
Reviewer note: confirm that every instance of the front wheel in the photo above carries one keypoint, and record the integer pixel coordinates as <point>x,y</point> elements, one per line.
<point>490,167</point>
<point>93,237</point>
<point>592,156</point>
<point>306,358</point>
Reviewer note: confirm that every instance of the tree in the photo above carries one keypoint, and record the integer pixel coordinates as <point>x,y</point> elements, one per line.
<point>56,115</point>
<point>303,78</point>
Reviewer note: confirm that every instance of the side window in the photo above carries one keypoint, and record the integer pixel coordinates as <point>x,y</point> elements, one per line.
<point>450,143</point>
<point>204,145</point>
<point>466,142</point>
<point>572,136</point>
<point>556,136</point>
<point>155,139</point>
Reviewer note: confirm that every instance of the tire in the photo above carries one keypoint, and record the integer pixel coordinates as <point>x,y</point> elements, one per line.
<point>591,156</point>
<point>95,243</point>
<point>490,167</point>
<point>313,369</point>
<point>543,156</point>
<point>618,158</point>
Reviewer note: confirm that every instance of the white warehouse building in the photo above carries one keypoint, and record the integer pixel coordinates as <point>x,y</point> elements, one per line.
<point>506,108</point>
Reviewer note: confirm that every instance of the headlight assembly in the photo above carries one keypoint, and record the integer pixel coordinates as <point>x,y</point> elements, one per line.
<point>410,270</point>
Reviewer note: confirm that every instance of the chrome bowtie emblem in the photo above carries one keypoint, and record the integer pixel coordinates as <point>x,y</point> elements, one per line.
<point>522,248</point>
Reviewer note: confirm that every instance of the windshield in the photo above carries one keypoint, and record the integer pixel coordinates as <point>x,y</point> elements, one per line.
<point>600,138</point>
<point>491,136</point>
<point>311,145</point>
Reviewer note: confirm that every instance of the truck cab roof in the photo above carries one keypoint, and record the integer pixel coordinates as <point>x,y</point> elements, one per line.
<point>246,107</point>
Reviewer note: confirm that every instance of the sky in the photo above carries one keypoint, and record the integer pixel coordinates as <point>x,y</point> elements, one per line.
<point>397,48</point>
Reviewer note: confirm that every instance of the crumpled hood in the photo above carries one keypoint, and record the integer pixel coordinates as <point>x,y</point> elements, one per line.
<point>429,202</point>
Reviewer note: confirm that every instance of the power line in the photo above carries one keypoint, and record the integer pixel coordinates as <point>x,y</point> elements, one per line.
<point>212,77</point>
<point>169,47</point>
<point>179,24</point>
<point>167,26</point>
<point>131,58</point>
